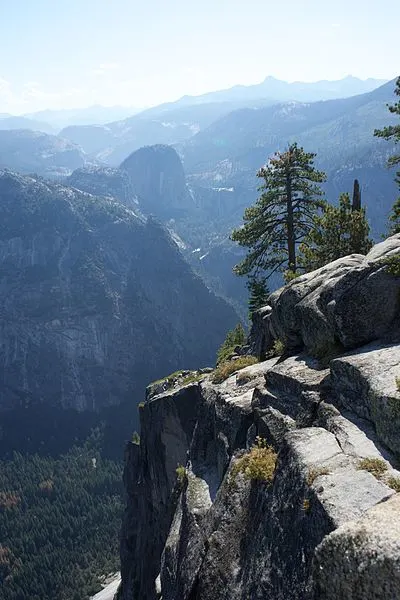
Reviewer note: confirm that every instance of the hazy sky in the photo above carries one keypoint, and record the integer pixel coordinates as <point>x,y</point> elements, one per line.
<point>70,53</point>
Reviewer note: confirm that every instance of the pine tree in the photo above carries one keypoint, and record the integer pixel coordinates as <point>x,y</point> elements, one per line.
<point>282,216</point>
<point>235,337</point>
<point>339,231</point>
<point>392,132</point>
<point>258,293</point>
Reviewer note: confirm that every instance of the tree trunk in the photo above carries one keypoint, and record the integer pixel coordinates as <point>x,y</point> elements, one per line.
<point>290,226</point>
<point>356,203</point>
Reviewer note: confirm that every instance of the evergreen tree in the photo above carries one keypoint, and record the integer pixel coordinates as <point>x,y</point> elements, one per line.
<point>235,337</point>
<point>283,215</point>
<point>339,231</point>
<point>392,132</point>
<point>258,293</point>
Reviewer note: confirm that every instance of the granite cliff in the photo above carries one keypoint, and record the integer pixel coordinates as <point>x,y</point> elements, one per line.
<point>95,300</point>
<point>317,516</point>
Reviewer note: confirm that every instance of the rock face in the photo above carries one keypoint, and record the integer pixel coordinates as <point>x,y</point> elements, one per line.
<point>326,525</point>
<point>105,181</point>
<point>158,181</point>
<point>94,300</point>
<point>349,302</point>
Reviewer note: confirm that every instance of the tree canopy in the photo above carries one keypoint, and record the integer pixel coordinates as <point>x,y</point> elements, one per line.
<point>392,133</point>
<point>283,214</point>
<point>337,231</point>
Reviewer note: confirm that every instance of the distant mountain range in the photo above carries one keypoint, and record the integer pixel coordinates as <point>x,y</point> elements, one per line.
<point>221,146</point>
<point>268,91</point>
<point>90,115</point>
<point>273,89</point>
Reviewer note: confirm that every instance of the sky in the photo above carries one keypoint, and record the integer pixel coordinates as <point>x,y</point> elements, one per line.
<point>75,53</point>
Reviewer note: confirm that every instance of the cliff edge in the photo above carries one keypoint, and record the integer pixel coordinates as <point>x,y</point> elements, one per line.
<point>281,481</point>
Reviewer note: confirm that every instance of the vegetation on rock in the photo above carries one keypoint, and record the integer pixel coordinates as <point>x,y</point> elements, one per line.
<point>227,368</point>
<point>283,214</point>
<point>258,293</point>
<point>258,464</point>
<point>376,466</point>
<point>338,231</point>
<point>392,132</point>
<point>235,337</point>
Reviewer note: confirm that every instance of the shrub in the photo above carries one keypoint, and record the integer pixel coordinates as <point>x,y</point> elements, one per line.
<point>225,369</point>
<point>181,474</point>
<point>135,438</point>
<point>258,464</point>
<point>376,466</point>
<point>398,383</point>
<point>278,348</point>
<point>394,483</point>
<point>236,337</point>
<point>316,472</point>
<point>392,264</point>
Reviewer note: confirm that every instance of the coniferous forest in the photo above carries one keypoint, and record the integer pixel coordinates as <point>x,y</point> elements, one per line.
<point>59,523</point>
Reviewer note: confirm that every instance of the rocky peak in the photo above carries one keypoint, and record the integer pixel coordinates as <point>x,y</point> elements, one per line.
<point>280,482</point>
<point>158,180</point>
<point>105,181</point>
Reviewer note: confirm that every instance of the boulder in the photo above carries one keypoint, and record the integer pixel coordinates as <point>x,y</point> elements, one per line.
<point>345,304</point>
<point>361,559</point>
<point>365,382</point>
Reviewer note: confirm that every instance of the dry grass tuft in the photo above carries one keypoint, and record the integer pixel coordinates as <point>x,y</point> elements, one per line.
<point>394,483</point>
<point>376,466</point>
<point>258,464</point>
<point>316,472</point>
<point>225,369</point>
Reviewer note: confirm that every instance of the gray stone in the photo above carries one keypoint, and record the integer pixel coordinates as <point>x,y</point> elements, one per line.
<point>361,559</point>
<point>337,306</point>
<point>364,382</point>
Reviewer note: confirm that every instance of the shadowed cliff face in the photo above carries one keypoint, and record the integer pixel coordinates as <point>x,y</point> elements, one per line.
<point>95,301</point>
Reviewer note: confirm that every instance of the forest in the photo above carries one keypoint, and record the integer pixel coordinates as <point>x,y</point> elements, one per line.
<point>59,523</point>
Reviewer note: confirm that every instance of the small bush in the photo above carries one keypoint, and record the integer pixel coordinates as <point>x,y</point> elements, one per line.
<point>394,483</point>
<point>306,505</point>
<point>236,337</point>
<point>225,369</point>
<point>243,378</point>
<point>258,464</point>
<point>376,466</point>
<point>135,438</point>
<point>290,275</point>
<point>316,472</point>
<point>181,474</point>
<point>278,348</point>
<point>392,264</point>
<point>397,383</point>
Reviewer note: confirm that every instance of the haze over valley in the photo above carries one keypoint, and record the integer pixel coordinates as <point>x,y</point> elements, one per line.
<point>154,395</point>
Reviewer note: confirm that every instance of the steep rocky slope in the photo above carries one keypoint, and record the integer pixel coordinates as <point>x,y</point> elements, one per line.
<point>326,524</point>
<point>95,301</point>
<point>152,179</point>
